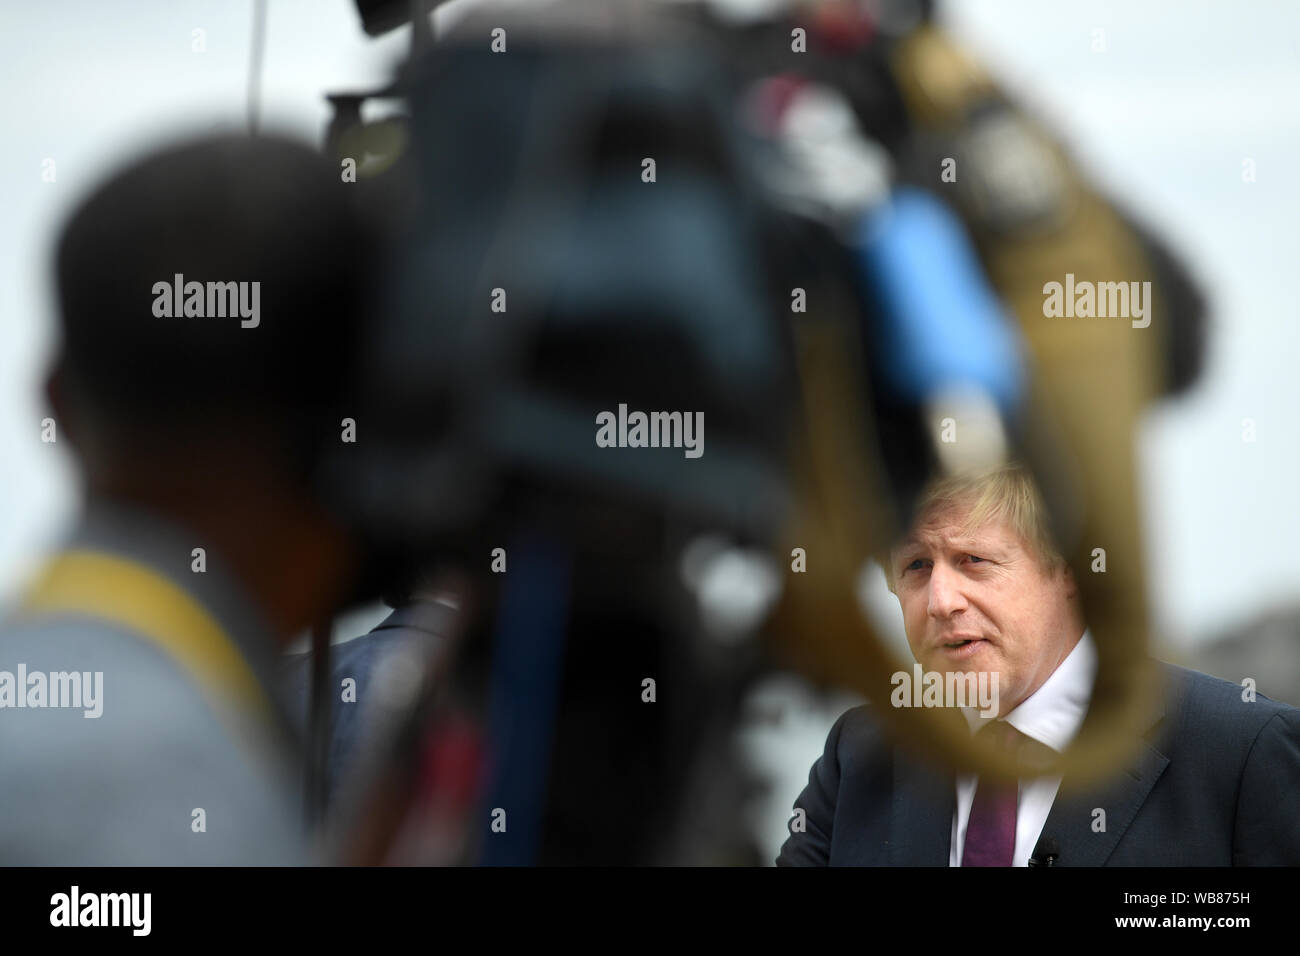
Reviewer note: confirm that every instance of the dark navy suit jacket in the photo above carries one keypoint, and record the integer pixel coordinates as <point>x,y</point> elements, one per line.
<point>1216,783</point>
<point>421,624</point>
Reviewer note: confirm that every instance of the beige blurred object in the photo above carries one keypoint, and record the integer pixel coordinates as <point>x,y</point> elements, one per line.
<point>1033,219</point>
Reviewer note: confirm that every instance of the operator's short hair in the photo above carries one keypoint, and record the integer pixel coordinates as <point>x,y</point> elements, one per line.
<point>1008,494</point>
<point>220,208</point>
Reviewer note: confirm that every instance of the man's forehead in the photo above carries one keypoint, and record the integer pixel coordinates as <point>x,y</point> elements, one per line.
<point>953,536</point>
<point>947,530</point>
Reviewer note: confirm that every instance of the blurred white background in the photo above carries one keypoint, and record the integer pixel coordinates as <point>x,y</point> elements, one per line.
<point>1183,92</point>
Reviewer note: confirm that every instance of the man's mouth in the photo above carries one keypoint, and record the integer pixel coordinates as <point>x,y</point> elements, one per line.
<point>959,643</point>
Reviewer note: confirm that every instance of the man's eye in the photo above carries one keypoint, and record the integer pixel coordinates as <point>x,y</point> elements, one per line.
<point>975,557</point>
<point>914,566</point>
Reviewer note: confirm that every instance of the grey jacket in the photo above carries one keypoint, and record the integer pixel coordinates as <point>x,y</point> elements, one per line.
<point>161,776</point>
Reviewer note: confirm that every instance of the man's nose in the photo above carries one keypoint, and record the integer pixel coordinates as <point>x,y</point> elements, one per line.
<point>946,596</point>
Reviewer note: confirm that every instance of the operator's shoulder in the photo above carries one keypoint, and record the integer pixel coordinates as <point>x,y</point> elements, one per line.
<point>144,700</point>
<point>1216,707</point>
<point>71,642</point>
<point>119,782</point>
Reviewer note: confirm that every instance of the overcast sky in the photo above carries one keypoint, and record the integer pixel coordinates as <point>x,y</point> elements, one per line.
<point>1163,117</point>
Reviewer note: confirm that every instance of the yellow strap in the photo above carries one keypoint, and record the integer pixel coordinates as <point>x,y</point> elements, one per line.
<point>140,600</point>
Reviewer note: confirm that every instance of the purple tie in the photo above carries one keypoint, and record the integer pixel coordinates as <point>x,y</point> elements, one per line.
<point>991,831</point>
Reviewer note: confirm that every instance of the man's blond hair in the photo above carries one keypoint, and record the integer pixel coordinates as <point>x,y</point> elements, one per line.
<point>1007,494</point>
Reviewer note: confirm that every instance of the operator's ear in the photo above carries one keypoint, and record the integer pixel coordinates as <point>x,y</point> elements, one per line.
<point>56,396</point>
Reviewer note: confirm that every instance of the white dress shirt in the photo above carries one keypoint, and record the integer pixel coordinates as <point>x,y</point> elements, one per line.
<point>1052,715</point>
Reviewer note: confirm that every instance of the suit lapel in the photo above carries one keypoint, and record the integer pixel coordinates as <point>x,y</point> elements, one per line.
<point>1071,820</point>
<point>924,801</point>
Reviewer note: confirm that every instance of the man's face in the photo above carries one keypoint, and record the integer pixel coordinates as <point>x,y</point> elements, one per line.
<point>983,603</point>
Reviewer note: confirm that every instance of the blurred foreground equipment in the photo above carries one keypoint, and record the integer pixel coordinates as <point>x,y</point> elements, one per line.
<point>547,278</point>
<point>546,282</point>
<point>1064,395</point>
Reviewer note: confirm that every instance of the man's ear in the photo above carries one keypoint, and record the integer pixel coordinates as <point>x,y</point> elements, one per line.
<point>1071,585</point>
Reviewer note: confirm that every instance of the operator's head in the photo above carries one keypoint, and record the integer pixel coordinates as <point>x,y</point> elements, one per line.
<point>981,585</point>
<point>139,364</point>
<point>211,297</point>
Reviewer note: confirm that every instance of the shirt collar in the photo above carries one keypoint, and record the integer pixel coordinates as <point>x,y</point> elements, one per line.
<point>1053,714</point>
